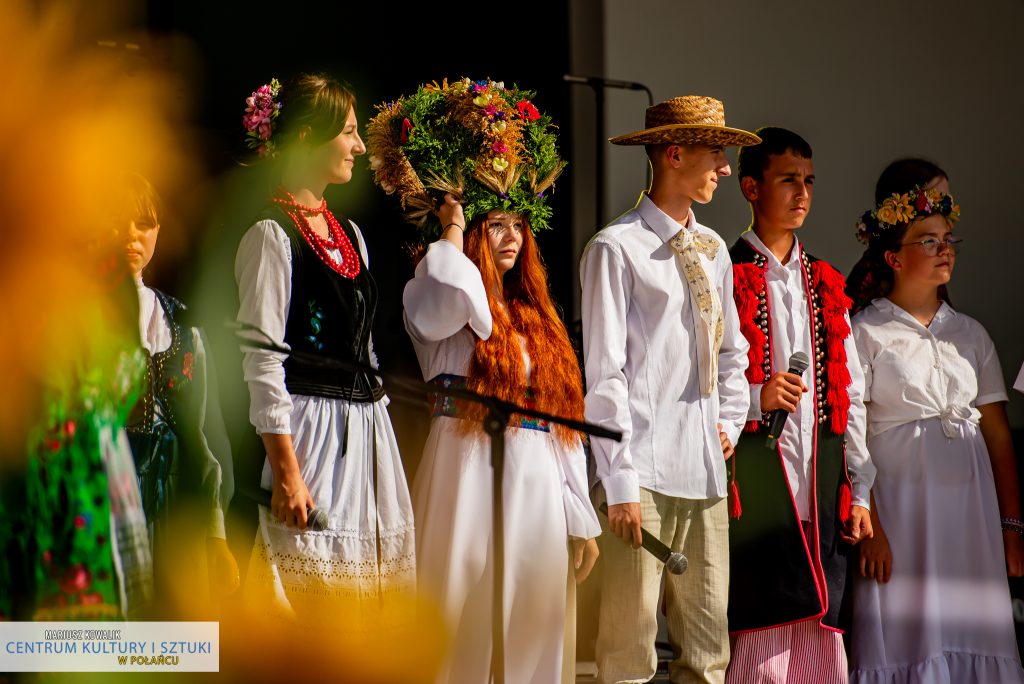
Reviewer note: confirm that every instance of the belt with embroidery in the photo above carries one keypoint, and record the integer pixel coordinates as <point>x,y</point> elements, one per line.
<point>444,405</point>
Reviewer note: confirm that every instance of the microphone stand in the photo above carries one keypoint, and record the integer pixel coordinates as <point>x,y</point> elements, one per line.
<point>495,422</point>
<point>598,85</point>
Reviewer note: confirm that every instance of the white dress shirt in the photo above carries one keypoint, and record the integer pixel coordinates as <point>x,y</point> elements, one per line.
<point>791,332</point>
<point>945,370</point>
<point>1018,384</point>
<point>640,356</point>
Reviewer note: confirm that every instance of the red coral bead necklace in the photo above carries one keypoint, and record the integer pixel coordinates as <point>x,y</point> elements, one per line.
<point>337,240</point>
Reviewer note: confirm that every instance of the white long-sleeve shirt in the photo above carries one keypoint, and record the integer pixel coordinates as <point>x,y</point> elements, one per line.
<point>640,354</point>
<point>791,332</point>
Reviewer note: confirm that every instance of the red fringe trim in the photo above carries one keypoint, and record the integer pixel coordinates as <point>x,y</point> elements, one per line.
<point>748,282</point>
<point>845,498</point>
<point>830,286</point>
<point>735,507</point>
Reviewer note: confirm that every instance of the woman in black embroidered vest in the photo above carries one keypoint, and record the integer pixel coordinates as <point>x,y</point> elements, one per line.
<point>181,452</point>
<point>303,282</point>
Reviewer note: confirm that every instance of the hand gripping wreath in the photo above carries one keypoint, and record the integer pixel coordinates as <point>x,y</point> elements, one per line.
<point>487,145</point>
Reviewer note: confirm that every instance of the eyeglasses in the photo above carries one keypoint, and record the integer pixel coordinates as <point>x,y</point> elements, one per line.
<point>932,247</point>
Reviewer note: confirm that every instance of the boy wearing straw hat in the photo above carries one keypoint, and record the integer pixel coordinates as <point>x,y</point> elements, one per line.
<point>798,507</point>
<point>664,360</point>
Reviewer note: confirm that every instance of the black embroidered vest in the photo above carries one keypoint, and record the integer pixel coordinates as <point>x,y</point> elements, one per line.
<point>329,320</point>
<point>163,426</point>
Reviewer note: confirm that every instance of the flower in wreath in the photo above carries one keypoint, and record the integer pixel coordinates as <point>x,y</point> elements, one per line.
<point>906,208</point>
<point>527,110</point>
<point>488,145</point>
<point>895,209</point>
<point>261,112</point>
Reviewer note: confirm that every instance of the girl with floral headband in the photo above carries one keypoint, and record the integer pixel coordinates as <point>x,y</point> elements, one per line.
<point>304,285</point>
<point>931,602</point>
<point>480,316</point>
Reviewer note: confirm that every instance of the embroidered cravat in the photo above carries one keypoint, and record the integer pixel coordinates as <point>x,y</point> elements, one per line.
<point>705,297</point>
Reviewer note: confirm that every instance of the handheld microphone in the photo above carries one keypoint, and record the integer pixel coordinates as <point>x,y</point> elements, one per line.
<point>316,518</point>
<point>606,82</point>
<point>675,562</point>
<point>798,363</point>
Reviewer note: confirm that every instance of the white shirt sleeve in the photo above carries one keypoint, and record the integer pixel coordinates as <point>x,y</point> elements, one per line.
<point>580,517</point>
<point>606,295</point>
<point>858,460</point>
<point>446,294</point>
<point>733,389</point>
<point>991,386</point>
<point>1019,382</point>
<point>263,272</point>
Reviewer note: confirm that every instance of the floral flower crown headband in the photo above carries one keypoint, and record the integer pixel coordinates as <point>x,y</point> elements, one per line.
<point>486,144</point>
<point>261,111</point>
<point>906,208</point>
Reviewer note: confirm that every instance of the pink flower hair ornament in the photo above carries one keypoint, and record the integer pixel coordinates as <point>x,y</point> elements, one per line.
<point>261,111</point>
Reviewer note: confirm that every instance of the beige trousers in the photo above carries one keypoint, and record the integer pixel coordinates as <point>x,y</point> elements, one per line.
<point>696,601</point>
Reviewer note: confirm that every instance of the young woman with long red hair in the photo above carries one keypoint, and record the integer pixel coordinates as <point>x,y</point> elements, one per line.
<point>480,317</point>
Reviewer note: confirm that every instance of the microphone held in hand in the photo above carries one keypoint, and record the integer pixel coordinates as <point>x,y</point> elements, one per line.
<point>798,363</point>
<point>675,562</point>
<point>316,518</point>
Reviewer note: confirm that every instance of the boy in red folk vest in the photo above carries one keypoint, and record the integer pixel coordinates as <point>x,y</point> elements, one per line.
<point>798,506</point>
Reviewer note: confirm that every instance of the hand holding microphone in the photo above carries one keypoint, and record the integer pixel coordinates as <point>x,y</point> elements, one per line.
<point>781,394</point>
<point>675,562</point>
<point>316,518</point>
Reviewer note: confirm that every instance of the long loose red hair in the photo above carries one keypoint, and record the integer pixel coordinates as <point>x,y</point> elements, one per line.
<point>521,306</point>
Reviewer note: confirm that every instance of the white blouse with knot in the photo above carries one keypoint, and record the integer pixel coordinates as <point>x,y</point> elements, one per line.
<point>945,370</point>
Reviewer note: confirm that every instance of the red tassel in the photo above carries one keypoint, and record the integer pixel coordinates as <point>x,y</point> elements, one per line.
<point>735,507</point>
<point>845,498</point>
<point>748,281</point>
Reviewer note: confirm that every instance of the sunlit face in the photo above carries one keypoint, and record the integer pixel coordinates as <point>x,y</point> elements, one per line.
<point>912,264</point>
<point>782,198</point>
<point>505,238</point>
<point>140,242</point>
<point>337,157</point>
<point>698,168</point>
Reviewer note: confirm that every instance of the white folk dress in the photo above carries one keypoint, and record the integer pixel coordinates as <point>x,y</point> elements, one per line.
<point>945,616</point>
<point>299,571</point>
<point>544,491</point>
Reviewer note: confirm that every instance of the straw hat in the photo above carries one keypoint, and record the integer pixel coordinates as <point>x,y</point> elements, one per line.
<point>687,120</point>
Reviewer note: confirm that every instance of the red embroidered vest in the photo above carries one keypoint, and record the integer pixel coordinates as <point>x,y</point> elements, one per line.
<point>828,305</point>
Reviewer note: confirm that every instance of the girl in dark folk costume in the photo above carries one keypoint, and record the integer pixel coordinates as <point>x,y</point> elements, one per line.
<point>182,455</point>
<point>304,282</point>
<point>796,506</point>
<point>931,602</point>
<point>480,316</point>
